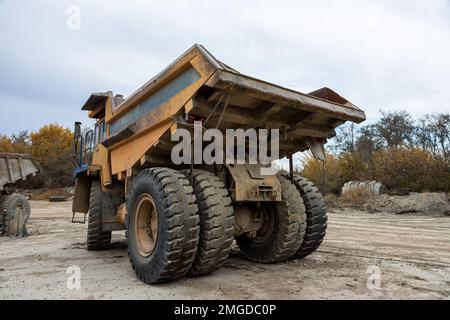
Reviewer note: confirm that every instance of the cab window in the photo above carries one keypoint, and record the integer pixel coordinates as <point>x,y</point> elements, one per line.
<point>100,131</point>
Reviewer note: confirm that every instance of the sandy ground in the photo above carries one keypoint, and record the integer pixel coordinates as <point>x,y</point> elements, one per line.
<point>412,254</point>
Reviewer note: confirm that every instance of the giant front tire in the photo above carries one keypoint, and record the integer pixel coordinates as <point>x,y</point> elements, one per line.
<point>279,238</point>
<point>162,225</point>
<point>97,239</point>
<point>316,214</point>
<point>216,222</point>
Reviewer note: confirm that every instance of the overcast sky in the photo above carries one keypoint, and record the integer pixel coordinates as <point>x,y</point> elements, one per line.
<point>378,54</point>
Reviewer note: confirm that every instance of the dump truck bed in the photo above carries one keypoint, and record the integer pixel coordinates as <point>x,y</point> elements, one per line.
<point>199,85</point>
<point>15,167</point>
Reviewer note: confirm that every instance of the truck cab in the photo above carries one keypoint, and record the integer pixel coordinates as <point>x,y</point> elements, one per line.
<point>90,156</point>
<point>86,141</point>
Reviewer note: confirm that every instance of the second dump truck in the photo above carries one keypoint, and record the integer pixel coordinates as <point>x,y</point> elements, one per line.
<point>182,218</point>
<point>14,207</point>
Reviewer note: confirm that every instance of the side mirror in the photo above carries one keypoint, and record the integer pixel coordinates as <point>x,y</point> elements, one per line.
<point>77,130</point>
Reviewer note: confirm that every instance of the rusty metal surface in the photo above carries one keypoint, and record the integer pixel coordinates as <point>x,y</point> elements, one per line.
<point>275,93</point>
<point>229,76</point>
<point>331,95</point>
<point>247,188</point>
<point>247,220</point>
<point>253,103</point>
<point>180,82</point>
<point>80,202</point>
<point>113,198</point>
<point>94,100</point>
<point>15,167</point>
<point>179,65</point>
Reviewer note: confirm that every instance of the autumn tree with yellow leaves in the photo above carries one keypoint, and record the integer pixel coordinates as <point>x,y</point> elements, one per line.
<point>51,146</point>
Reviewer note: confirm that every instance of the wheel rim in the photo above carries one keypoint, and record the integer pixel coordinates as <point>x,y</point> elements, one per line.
<point>146,225</point>
<point>267,227</point>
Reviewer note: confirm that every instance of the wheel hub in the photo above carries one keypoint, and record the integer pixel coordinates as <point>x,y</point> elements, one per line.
<point>267,227</point>
<point>146,225</point>
<point>256,223</point>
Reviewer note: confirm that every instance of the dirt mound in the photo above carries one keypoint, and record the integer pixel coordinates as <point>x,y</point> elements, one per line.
<point>434,204</point>
<point>45,195</point>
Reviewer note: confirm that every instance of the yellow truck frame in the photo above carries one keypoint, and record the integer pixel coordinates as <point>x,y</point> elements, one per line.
<point>131,145</point>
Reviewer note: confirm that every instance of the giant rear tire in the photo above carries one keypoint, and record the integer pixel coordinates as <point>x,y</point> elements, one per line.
<point>162,225</point>
<point>18,210</point>
<point>216,222</point>
<point>279,237</point>
<point>316,213</point>
<point>97,239</point>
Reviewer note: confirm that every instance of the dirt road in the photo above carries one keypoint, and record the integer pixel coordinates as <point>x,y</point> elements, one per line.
<point>411,253</point>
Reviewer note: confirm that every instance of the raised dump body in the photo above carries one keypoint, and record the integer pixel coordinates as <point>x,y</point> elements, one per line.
<point>127,177</point>
<point>15,208</point>
<point>194,84</point>
<point>15,167</point>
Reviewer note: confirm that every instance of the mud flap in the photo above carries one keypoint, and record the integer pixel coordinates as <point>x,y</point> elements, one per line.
<point>80,202</point>
<point>317,148</point>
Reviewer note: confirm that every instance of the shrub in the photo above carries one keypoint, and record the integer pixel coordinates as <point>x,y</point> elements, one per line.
<point>327,175</point>
<point>356,197</point>
<point>400,169</point>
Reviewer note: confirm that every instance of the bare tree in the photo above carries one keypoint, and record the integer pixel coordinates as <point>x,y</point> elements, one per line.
<point>433,134</point>
<point>395,128</point>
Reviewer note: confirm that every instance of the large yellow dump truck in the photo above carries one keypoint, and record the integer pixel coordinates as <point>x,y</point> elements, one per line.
<point>181,217</point>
